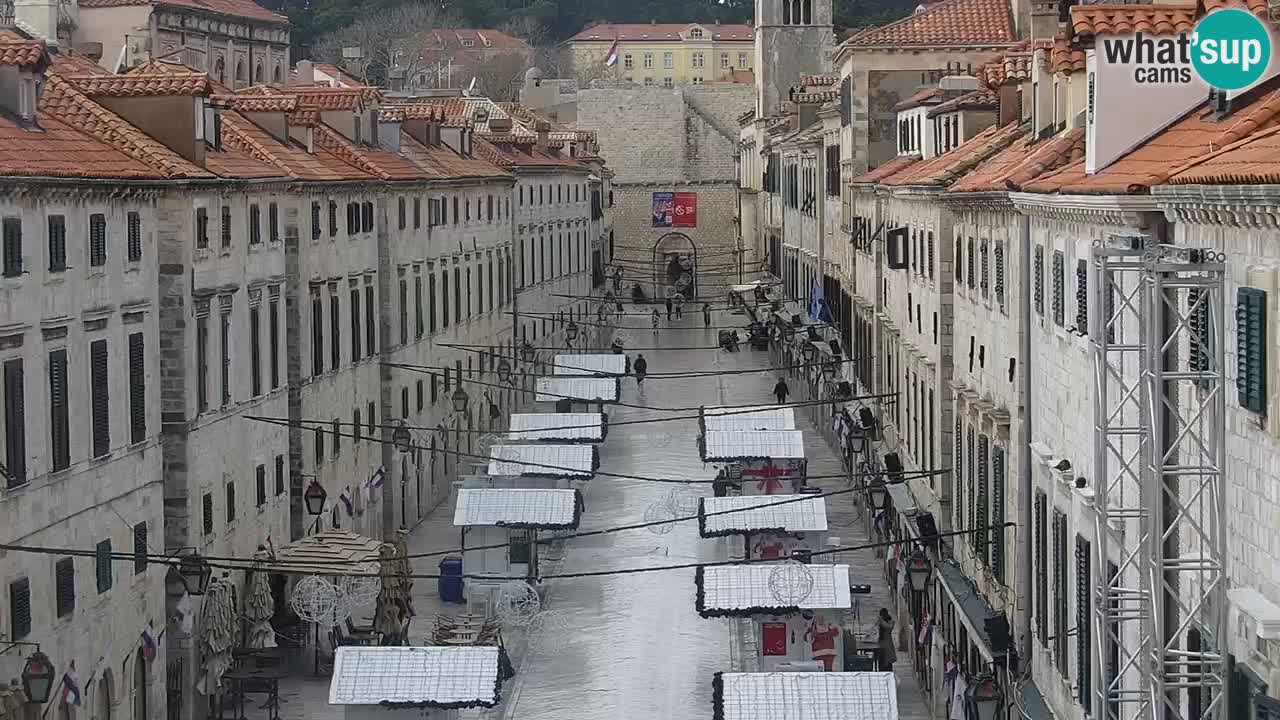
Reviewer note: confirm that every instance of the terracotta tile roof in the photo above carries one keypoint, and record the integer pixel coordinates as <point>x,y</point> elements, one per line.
<point>154,66</point>
<point>976,100</point>
<point>305,117</point>
<point>1022,162</point>
<point>1017,66</point>
<point>1257,7</point>
<point>889,169</point>
<point>823,81</point>
<point>521,113</point>
<point>62,151</point>
<point>246,9</point>
<point>647,32</point>
<point>1088,20</point>
<point>1197,134</point>
<point>927,96</point>
<point>72,63</point>
<point>383,164</point>
<point>443,163</point>
<point>519,152</point>
<point>581,136</point>
<point>421,111</point>
<point>338,74</point>
<point>1254,160</point>
<point>1064,58</point>
<point>292,159</point>
<point>230,162</point>
<point>945,168</point>
<point>390,115</point>
<point>948,23</point>
<point>241,103</point>
<point>815,98</point>
<point>63,100</point>
<point>481,38</point>
<point>16,50</point>
<point>329,98</point>
<point>133,85</point>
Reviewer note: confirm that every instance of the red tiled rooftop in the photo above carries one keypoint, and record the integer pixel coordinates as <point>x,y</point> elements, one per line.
<point>62,151</point>
<point>293,160</point>
<point>16,50</point>
<point>1254,160</point>
<point>1196,135</point>
<point>976,100</point>
<point>887,170</point>
<point>142,85</point>
<point>1022,162</point>
<point>823,81</point>
<point>1090,20</point>
<point>1064,58</point>
<point>949,23</point>
<point>242,103</point>
<point>945,168</point>
<point>328,98</point>
<point>441,162</point>
<point>380,163</point>
<point>927,96</point>
<point>481,39</point>
<point>73,63</point>
<point>641,32</point>
<point>246,9</point>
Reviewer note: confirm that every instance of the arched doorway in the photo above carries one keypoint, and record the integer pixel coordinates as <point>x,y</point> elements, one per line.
<point>675,262</point>
<point>139,686</point>
<point>104,695</point>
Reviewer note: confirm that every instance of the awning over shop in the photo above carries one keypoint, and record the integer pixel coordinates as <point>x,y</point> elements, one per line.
<point>597,364</point>
<point>332,552</point>
<point>546,509</point>
<point>723,446</point>
<point>741,590</point>
<point>557,461</point>
<point>805,696</point>
<point>578,389</point>
<point>765,417</point>
<point>971,607</point>
<point>571,427</point>
<point>738,514</point>
<point>430,677</point>
<point>902,499</point>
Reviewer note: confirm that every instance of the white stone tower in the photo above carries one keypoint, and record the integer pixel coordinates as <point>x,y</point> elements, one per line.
<point>792,38</point>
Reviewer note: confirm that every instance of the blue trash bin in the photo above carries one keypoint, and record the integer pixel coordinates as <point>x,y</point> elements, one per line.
<point>450,582</point>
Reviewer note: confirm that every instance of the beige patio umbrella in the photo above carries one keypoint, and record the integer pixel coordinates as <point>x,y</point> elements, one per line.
<point>397,588</point>
<point>217,635</point>
<point>259,605</point>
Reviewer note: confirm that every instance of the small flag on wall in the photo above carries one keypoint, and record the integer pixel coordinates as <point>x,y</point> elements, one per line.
<point>612,59</point>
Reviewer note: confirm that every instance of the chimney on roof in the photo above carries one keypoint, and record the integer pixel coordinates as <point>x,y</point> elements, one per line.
<point>1009,101</point>
<point>38,18</point>
<point>543,128</point>
<point>306,72</point>
<point>653,22</point>
<point>388,130</point>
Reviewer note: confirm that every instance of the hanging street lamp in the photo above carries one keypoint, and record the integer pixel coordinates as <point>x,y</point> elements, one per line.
<point>37,678</point>
<point>401,438</point>
<point>919,569</point>
<point>527,352</point>
<point>877,493</point>
<point>314,498</point>
<point>196,573</point>
<point>571,331</point>
<point>504,370</point>
<point>460,400</point>
<point>987,697</point>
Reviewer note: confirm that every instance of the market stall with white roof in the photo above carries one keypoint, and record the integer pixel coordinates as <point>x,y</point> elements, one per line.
<point>729,419</point>
<point>558,427</point>
<point>769,462</point>
<point>597,364</point>
<point>772,526</point>
<point>804,696</point>
<point>541,465</point>
<point>576,389</point>
<point>404,683</point>
<point>510,519</point>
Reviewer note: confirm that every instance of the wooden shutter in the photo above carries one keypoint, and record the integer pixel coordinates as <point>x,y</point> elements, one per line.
<point>335,330</point>
<point>957,463</point>
<point>997,512</point>
<point>315,221</point>
<point>401,213</point>
<point>1059,304</point>
<point>1060,591</point>
<point>15,423</point>
<point>137,388</point>
<point>260,484</point>
<point>279,478</point>
<point>57,243</point>
<point>273,222</point>
<point>980,522</point>
<point>100,400</point>
<point>139,548</point>
<point>373,423</point>
<point>12,247</point>
<point>134,227</point>
<point>102,565</point>
<point>1084,649</point>
<point>972,457</point>
<point>273,341</point>
<point>1082,297</point>
<point>370,321</point>
<point>1251,349</point>
<point>59,431</point>
<point>255,224</point>
<point>1042,569</point>
<point>226,226</point>
<point>206,512</point>
<point>19,608</point>
<point>1037,271</point>
<point>97,240</point>
<point>64,581</point>
<point>984,284</point>
<point>231,501</point>
<point>356,337</point>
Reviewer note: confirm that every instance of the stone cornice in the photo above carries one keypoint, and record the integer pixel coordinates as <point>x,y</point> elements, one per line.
<point>1255,206</point>
<point>993,200</point>
<point>1099,209</point>
<point>915,192</point>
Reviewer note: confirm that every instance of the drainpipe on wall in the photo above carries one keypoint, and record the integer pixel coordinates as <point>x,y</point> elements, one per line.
<point>1022,620</point>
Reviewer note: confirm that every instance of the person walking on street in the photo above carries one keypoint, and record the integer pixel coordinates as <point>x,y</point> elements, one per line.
<point>781,391</point>
<point>656,320</point>
<point>679,306</point>
<point>642,367</point>
<point>706,314</point>
<point>884,641</point>
<point>668,309</point>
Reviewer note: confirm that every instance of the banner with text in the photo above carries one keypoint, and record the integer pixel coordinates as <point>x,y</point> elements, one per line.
<point>675,209</point>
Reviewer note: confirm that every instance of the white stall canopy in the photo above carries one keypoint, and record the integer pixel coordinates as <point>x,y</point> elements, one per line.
<point>728,419</point>
<point>596,364</point>
<point>805,695</point>
<point>742,590</point>
<point>725,446</point>
<point>550,509</point>
<point>557,461</point>
<point>434,676</point>
<point>562,427</point>
<point>738,514</point>
<point>577,389</point>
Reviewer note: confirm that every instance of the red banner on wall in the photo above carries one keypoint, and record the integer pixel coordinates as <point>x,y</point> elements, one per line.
<point>773,638</point>
<point>685,212</point>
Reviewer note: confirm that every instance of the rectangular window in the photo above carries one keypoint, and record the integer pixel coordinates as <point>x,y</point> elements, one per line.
<point>372,411</point>
<point>15,423</point>
<point>1037,297</point>
<point>982,520</point>
<point>102,566</point>
<point>402,213</point>
<point>668,60</point>
<point>404,311</point>
<point>957,476</point>
<point>57,243</point>
<point>202,363</point>
<point>457,294</point>
<point>12,247</point>
<point>335,330</point>
<point>627,63</point>
<point>315,221</point>
<point>444,298</point>
<point>225,346</point>
<point>97,240</point>
<point>970,266</point>
<point>19,609</point>
<point>226,226</point>
<point>255,352</point>
<point>419,325</point>
<point>1251,349</point>
<point>260,484</point>
<point>255,224</point>
<point>366,217</point>
<point>273,341</point>
<point>1060,566</point>
<point>997,512</point>
<point>1082,297</point>
<point>333,218</point>
<point>985,267</point>
<point>335,429</point>
<point>356,336</point>
<point>137,388</point>
<point>724,61</point>
<point>134,227</point>
<point>742,60</point>
<point>206,513</point>
<point>370,326</point>
<point>648,61</point>
<point>99,395</point>
<point>999,261</point>
<point>139,548</point>
<point>273,222</point>
<point>1042,569</point>
<point>417,213</point>
<point>317,333</point>
<point>404,402</point>
<point>64,582</point>
<point>279,478</point>
<point>421,395</point>
<point>1059,284</point>
<point>1084,611</point>
<point>231,502</point>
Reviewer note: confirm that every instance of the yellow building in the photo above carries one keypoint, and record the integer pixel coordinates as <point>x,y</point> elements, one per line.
<point>665,55</point>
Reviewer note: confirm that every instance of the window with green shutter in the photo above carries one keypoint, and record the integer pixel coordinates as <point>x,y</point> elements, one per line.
<point>999,273</point>
<point>984,284</point>
<point>997,512</point>
<point>1038,281</point>
<point>1059,304</point>
<point>972,458</point>
<point>139,548</point>
<point>102,565</point>
<point>1041,569</point>
<point>1084,653</point>
<point>137,388</point>
<point>64,585</point>
<point>980,522</point>
<point>1251,349</point>
<point>19,608</point>
<point>958,477</point>
<point>13,392</point>
<point>59,416</point>
<point>1082,297</point>
<point>99,396</point>
<point>1060,561</point>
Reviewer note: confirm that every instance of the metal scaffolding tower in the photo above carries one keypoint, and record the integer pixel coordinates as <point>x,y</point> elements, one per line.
<point>1159,608</point>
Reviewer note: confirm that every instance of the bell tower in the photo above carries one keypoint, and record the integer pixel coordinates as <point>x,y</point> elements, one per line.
<point>792,38</point>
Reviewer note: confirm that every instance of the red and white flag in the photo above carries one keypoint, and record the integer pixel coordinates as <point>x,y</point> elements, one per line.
<point>612,59</point>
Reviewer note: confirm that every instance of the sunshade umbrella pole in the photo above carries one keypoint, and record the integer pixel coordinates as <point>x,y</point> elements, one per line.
<point>259,605</point>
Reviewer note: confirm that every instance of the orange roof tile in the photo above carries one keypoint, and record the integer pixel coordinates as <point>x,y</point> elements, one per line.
<point>142,85</point>
<point>948,23</point>
<point>976,100</point>
<point>305,117</point>
<point>1197,134</point>
<point>443,163</point>
<point>1089,20</point>
<point>457,113</point>
<point>650,32</point>
<point>63,100</point>
<point>517,151</point>
<point>927,96</point>
<point>889,169</point>
<point>421,111</point>
<point>20,51</point>
<point>390,115</point>
<point>246,9</point>
<point>292,159</point>
<point>824,81</point>
<point>326,98</point>
<point>1022,162</point>
<point>73,63</point>
<point>1064,57</point>
<point>62,151</point>
<point>1017,66</point>
<point>230,162</point>
<point>945,168</point>
<point>379,163</point>
<point>1257,7</point>
<point>1255,160</point>
<point>240,103</point>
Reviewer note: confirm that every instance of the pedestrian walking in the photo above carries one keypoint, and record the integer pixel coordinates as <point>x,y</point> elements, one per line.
<point>781,391</point>
<point>679,306</point>
<point>642,367</point>
<point>656,320</point>
<point>884,641</point>
<point>706,314</point>
<point>668,309</point>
